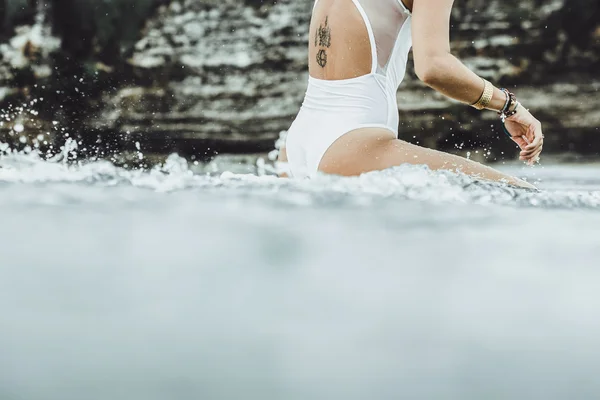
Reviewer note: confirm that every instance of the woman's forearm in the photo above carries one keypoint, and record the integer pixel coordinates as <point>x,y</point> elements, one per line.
<point>446,74</point>
<point>436,66</point>
<point>434,63</point>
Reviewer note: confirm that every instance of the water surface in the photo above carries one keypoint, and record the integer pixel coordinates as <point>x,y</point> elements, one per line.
<point>174,284</point>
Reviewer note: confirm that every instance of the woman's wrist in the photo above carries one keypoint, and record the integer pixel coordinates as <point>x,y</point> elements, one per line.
<point>498,100</point>
<point>491,98</point>
<point>510,107</point>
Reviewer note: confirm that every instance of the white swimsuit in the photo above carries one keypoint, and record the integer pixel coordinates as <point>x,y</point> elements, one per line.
<point>332,108</point>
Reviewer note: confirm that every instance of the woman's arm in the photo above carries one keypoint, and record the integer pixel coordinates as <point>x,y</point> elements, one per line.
<point>439,69</point>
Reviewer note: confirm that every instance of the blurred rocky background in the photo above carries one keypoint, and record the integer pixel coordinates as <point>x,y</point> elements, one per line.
<point>202,77</point>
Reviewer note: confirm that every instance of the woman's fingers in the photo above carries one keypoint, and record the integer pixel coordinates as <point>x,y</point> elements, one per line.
<point>531,158</point>
<point>530,133</point>
<point>534,157</point>
<point>535,147</point>
<point>532,151</point>
<point>531,140</point>
<point>535,130</point>
<point>530,155</point>
<point>522,143</point>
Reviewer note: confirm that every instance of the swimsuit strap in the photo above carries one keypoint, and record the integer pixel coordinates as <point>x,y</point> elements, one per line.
<point>371,35</point>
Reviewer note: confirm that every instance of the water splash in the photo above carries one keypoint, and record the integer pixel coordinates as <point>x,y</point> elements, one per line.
<point>414,183</point>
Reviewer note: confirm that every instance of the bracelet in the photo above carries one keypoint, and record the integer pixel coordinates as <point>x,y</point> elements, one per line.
<point>507,104</point>
<point>510,107</point>
<point>512,100</point>
<point>509,114</point>
<point>486,96</point>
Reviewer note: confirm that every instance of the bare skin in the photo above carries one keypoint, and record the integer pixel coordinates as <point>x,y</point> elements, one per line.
<point>344,52</point>
<point>376,149</point>
<point>440,70</point>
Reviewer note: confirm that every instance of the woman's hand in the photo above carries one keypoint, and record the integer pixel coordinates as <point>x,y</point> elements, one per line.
<point>526,131</point>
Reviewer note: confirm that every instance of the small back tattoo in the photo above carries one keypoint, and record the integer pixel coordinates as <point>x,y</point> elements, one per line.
<point>323,40</point>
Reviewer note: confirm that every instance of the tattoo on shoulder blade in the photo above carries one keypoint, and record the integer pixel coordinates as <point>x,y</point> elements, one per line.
<point>323,39</point>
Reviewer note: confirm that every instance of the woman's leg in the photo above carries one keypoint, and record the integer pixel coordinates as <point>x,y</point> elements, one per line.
<point>375,149</point>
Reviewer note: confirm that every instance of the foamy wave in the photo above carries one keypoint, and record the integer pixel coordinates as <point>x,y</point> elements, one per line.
<point>17,167</point>
<point>417,183</point>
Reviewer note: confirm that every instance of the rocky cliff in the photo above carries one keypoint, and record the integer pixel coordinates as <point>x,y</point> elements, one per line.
<point>206,76</point>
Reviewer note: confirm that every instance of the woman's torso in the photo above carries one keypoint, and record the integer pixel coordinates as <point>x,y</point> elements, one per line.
<point>358,51</point>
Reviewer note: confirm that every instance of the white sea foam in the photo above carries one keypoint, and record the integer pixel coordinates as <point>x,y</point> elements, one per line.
<point>400,183</point>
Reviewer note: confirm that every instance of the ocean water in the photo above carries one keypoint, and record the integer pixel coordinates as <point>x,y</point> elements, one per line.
<point>178,283</point>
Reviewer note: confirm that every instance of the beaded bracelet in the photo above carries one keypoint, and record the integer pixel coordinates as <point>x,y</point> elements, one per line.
<point>509,114</point>
<point>506,115</point>
<point>506,105</point>
<point>510,107</point>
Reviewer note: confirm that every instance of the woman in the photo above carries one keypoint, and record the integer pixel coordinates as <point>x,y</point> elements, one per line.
<point>358,50</point>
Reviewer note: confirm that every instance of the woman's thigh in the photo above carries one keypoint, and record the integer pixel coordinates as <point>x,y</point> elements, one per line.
<point>374,149</point>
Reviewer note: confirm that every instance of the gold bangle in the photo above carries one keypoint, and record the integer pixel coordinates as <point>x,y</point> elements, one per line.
<point>486,96</point>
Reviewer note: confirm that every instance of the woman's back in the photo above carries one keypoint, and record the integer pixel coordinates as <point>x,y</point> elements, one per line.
<point>351,38</point>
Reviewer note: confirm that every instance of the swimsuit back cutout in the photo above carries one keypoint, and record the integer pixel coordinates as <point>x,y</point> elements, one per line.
<point>384,20</point>
<point>332,108</point>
